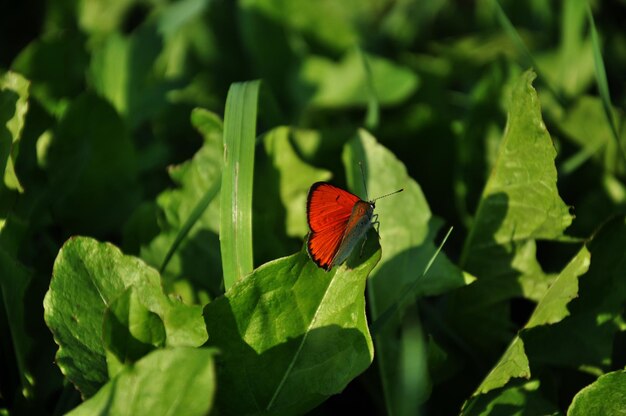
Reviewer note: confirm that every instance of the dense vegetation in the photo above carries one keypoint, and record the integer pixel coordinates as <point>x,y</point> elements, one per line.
<point>156,158</point>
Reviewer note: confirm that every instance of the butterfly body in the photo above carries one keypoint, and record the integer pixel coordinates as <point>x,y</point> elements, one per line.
<point>359,223</point>
<point>338,220</point>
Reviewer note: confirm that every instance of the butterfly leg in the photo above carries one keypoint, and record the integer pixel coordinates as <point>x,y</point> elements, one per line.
<point>376,224</point>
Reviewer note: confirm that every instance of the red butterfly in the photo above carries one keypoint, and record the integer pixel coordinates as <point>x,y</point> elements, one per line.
<point>337,219</point>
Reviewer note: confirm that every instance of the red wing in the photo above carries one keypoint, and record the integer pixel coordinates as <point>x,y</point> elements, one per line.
<point>323,246</point>
<point>328,211</point>
<point>328,207</point>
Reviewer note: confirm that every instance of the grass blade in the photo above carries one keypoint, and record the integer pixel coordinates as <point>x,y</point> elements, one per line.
<point>603,84</point>
<point>197,212</point>
<point>237,179</point>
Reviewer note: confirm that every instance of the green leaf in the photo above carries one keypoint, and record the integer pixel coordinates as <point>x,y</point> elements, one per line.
<point>595,316</point>
<point>606,396</point>
<point>237,180</point>
<point>291,334</point>
<point>130,330</point>
<point>516,400</point>
<point>351,83</point>
<point>87,277</point>
<point>172,381</point>
<point>282,182</point>
<point>519,204</point>
<point>14,280</point>
<point>122,70</point>
<point>188,246</point>
<point>91,166</point>
<point>513,363</point>
<point>210,125</point>
<point>551,309</point>
<point>523,178</point>
<point>407,233</point>
<point>14,92</point>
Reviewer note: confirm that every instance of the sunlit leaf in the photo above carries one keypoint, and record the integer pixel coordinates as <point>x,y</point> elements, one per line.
<point>291,334</point>
<point>14,91</point>
<point>171,381</point>
<point>87,277</point>
<point>519,204</point>
<point>604,397</point>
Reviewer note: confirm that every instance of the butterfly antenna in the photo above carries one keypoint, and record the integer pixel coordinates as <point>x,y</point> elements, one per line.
<point>364,183</point>
<point>389,194</point>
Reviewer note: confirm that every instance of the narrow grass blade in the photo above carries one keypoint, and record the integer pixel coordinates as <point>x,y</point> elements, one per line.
<point>237,179</point>
<point>379,323</point>
<point>197,212</point>
<point>603,84</point>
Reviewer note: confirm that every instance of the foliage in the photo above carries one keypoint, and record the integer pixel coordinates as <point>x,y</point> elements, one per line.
<point>156,159</point>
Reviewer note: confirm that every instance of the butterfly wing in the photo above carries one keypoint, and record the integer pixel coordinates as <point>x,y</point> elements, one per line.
<point>328,211</point>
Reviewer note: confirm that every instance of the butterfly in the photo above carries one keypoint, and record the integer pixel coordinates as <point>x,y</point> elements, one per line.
<point>338,219</point>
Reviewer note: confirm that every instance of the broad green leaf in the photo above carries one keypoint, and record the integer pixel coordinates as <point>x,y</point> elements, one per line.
<point>347,84</point>
<point>177,381</point>
<point>14,91</point>
<point>407,233</point>
<point>91,166</point>
<point>87,277</point>
<point>122,70</point>
<point>606,396</point>
<point>237,181</point>
<point>595,316</point>
<point>517,400</point>
<point>550,310</point>
<point>130,330</point>
<point>519,204</point>
<point>524,178</point>
<point>553,307</point>
<point>291,334</point>
<point>295,178</point>
<point>14,280</point>
<point>190,223</point>
<point>282,182</point>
